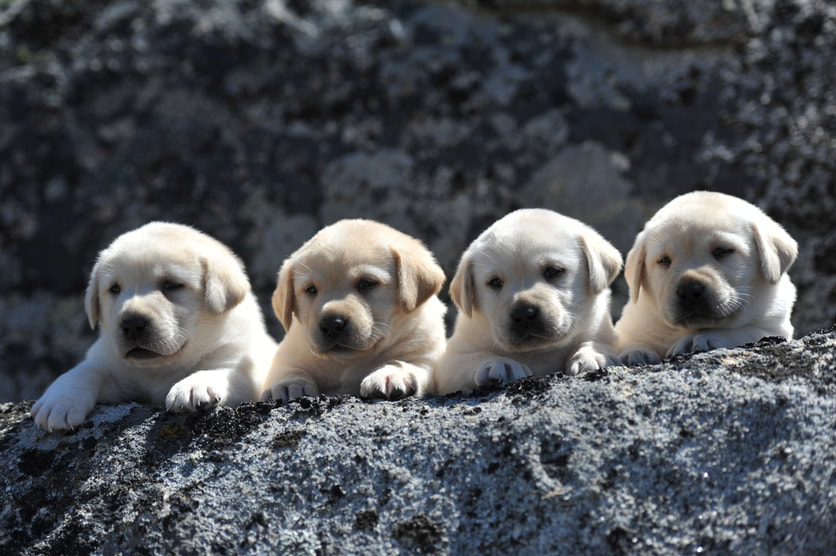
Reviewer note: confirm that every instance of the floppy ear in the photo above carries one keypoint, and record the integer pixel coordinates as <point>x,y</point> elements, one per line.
<point>284,298</point>
<point>776,248</point>
<point>224,283</point>
<point>634,267</point>
<point>91,297</point>
<point>419,276</point>
<point>603,260</point>
<point>461,288</point>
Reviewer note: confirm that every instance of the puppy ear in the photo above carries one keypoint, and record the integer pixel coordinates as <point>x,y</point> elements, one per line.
<point>419,276</point>
<point>91,297</point>
<point>461,288</point>
<point>284,298</point>
<point>634,267</point>
<point>224,283</point>
<point>776,248</point>
<point>603,260</point>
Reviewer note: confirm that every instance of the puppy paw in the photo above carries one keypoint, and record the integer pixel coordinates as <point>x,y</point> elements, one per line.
<point>588,359</point>
<point>697,342</point>
<point>55,411</point>
<point>501,370</point>
<point>290,389</point>
<point>198,390</point>
<point>638,356</point>
<point>390,382</point>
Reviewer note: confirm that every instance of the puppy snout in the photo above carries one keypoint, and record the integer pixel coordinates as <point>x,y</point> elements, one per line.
<point>333,326</point>
<point>524,312</point>
<point>690,291</point>
<point>134,327</point>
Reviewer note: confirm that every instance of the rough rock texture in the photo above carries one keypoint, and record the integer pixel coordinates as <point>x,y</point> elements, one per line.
<point>732,451</point>
<point>260,121</point>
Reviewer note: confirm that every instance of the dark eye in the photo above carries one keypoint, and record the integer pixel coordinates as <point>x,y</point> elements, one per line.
<point>721,252</point>
<point>365,285</point>
<point>495,283</point>
<point>171,286</point>
<point>665,260</point>
<point>115,289</point>
<point>311,290</point>
<point>551,272</point>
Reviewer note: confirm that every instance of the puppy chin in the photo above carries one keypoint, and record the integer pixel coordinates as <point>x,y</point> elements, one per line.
<point>526,341</point>
<point>694,320</point>
<point>141,356</point>
<point>337,351</point>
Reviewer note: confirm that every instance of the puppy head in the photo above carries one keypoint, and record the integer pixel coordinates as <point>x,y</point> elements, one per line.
<point>533,276</point>
<point>705,256</point>
<point>351,284</point>
<point>154,287</point>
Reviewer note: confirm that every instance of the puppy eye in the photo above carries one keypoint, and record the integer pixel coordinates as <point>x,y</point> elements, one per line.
<point>311,290</point>
<point>495,283</point>
<point>550,273</point>
<point>665,260</point>
<point>115,289</point>
<point>721,252</point>
<point>170,286</point>
<point>365,285</point>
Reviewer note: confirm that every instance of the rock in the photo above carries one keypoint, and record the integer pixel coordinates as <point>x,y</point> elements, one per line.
<point>261,121</point>
<point>729,451</point>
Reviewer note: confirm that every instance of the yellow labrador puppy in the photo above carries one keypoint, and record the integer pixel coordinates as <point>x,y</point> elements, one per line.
<point>358,302</point>
<point>177,323</point>
<point>533,298</point>
<point>709,270</point>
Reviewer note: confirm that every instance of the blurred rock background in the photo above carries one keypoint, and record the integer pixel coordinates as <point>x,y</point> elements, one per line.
<point>259,121</point>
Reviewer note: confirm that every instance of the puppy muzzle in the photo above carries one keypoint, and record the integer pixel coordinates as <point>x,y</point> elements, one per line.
<point>696,304</point>
<point>337,336</point>
<point>527,328</point>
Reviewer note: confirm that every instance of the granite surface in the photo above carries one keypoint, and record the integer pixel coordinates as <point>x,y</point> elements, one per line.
<point>260,121</point>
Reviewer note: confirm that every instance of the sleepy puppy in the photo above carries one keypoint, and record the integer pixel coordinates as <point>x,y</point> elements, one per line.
<point>707,271</point>
<point>533,298</point>
<point>358,302</point>
<point>177,323</point>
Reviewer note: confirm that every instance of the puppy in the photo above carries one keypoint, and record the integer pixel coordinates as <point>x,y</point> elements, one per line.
<point>533,298</point>
<point>177,323</point>
<point>358,302</point>
<point>707,271</point>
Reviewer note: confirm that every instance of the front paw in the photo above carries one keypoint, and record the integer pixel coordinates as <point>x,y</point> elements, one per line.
<point>501,370</point>
<point>198,390</point>
<point>697,342</point>
<point>56,411</point>
<point>390,382</point>
<point>290,389</point>
<point>639,356</point>
<point>588,358</point>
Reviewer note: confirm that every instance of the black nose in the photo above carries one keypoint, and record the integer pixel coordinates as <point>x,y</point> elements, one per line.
<point>133,327</point>
<point>524,312</point>
<point>332,325</point>
<point>690,290</point>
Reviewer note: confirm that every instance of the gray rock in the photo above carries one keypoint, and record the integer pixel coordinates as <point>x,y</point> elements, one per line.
<point>729,451</point>
<point>261,121</point>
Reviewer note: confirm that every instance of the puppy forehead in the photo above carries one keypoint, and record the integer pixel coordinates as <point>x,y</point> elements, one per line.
<point>524,252</point>
<point>345,264</point>
<point>149,266</point>
<point>693,236</point>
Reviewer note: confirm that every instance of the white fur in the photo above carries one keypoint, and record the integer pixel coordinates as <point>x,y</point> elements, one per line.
<point>395,333</point>
<point>206,341</point>
<point>748,294</point>
<point>572,331</point>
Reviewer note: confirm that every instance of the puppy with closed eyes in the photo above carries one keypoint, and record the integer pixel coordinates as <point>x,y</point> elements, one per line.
<point>358,302</point>
<point>533,298</point>
<point>709,270</point>
<point>177,323</point>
